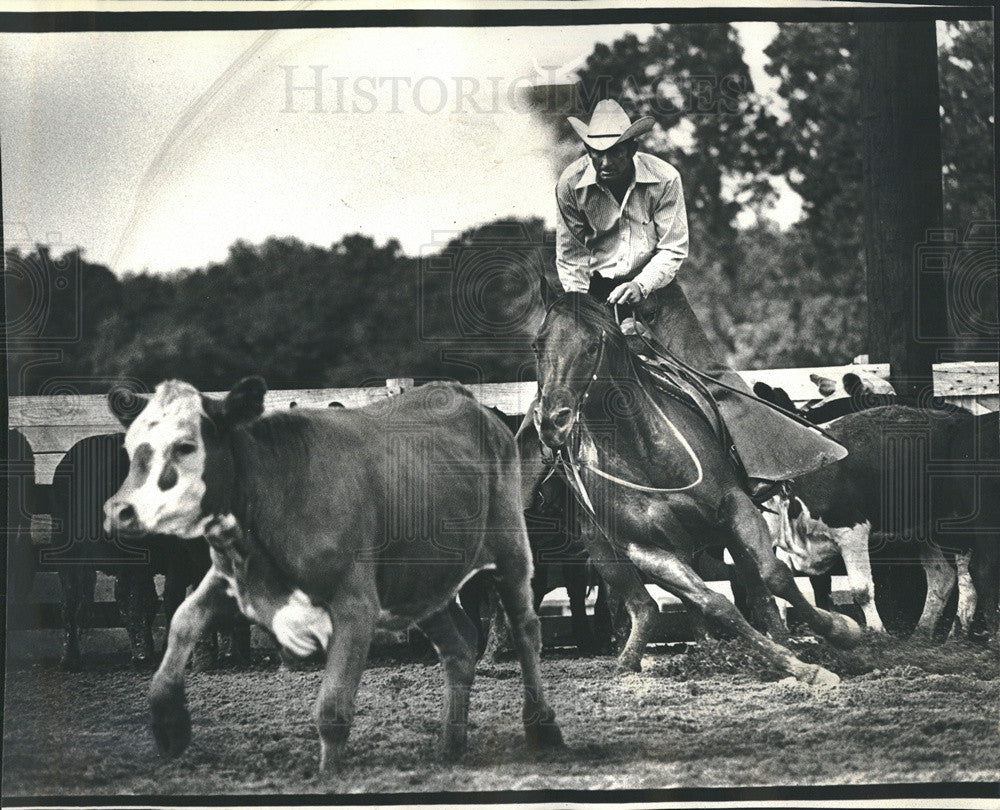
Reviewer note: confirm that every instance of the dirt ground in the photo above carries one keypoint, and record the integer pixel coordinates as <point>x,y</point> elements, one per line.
<point>711,716</point>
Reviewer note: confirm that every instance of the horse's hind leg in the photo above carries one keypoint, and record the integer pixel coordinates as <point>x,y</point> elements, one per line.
<point>749,533</point>
<point>455,638</point>
<point>681,580</point>
<point>514,586</point>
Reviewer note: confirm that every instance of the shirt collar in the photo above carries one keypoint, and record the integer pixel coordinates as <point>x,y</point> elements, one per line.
<point>643,173</point>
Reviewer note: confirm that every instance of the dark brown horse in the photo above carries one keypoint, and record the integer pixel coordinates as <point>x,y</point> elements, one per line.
<point>660,485</point>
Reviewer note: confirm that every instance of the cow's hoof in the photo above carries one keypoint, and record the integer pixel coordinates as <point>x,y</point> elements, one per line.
<point>171,721</point>
<point>451,747</point>
<point>845,632</point>
<point>818,676</point>
<point>628,662</point>
<point>543,734</point>
<point>172,732</point>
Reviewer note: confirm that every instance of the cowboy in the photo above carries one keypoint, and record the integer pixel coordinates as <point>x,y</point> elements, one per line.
<point>621,235</point>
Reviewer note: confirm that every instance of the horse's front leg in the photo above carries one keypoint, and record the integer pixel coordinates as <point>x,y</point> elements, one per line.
<point>622,578</point>
<point>749,532</point>
<point>170,719</point>
<point>674,574</point>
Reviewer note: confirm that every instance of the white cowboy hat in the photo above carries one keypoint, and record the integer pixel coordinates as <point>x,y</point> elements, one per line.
<point>609,125</point>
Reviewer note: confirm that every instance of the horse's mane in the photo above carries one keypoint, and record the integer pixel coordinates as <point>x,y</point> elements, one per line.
<point>588,312</point>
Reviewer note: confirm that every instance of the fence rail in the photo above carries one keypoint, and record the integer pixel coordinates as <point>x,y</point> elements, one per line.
<point>52,424</point>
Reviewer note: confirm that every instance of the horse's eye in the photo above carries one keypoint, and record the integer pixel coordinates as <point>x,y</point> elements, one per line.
<point>534,348</point>
<point>185,448</point>
<point>592,349</point>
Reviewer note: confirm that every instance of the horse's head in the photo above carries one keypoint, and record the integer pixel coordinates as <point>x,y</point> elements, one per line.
<point>572,346</point>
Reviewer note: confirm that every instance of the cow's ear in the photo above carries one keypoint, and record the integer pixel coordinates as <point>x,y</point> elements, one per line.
<point>245,401</point>
<point>126,404</point>
<point>853,384</point>
<point>825,385</point>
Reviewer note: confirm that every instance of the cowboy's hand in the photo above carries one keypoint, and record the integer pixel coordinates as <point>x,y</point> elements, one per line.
<point>627,293</point>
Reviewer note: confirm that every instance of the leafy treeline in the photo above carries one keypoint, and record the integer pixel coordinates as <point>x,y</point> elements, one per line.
<point>356,312</point>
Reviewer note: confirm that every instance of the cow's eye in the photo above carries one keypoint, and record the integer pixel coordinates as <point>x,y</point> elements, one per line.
<point>185,448</point>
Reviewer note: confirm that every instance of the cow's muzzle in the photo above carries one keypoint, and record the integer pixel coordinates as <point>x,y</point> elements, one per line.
<point>120,516</point>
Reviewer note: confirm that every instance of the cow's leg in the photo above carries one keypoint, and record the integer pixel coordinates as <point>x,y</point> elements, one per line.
<point>71,586</point>
<point>984,568</point>
<point>575,577</point>
<point>966,597</point>
<point>514,587</point>
<point>455,638</point>
<point>132,596</point>
<point>175,583</point>
<point>750,531</point>
<point>171,721</point>
<point>940,580</point>
<point>603,625</point>
<point>353,613</point>
<point>239,648</point>
<point>475,601</point>
<point>853,547</point>
<point>680,579</point>
<point>822,585</point>
<point>623,579</point>
<point>759,602</point>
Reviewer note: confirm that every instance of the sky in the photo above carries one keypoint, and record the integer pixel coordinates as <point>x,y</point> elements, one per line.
<point>156,151</point>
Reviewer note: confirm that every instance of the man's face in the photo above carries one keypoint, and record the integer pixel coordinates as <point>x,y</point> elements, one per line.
<point>613,165</point>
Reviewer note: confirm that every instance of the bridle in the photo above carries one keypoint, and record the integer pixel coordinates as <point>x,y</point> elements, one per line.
<point>571,466</point>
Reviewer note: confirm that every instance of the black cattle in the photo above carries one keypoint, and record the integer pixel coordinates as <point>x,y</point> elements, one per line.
<point>327,523</point>
<point>18,482</point>
<point>886,492</point>
<point>855,393</point>
<point>559,558</point>
<point>85,478</point>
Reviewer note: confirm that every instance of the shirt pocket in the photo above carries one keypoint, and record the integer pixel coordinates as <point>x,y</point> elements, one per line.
<point>644,231</point>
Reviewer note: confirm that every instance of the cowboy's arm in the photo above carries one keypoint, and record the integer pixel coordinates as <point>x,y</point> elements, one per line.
<point>670,218</point>
<point>572,256</point>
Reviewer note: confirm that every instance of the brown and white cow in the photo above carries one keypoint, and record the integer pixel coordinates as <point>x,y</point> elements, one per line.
<point>326,523</point>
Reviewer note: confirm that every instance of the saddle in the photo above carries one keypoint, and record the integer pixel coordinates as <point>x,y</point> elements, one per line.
<point>673,377</point>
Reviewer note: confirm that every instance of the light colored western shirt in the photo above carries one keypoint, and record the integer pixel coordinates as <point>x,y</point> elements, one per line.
<point>597,234</point>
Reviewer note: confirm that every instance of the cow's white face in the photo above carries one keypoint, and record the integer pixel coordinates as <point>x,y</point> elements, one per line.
<point>165,486</point>
<point>805,544</point>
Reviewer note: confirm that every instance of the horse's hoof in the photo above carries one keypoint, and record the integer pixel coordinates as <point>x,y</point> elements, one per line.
<point>818,676</point>
<point>545,736</point>
<point>69,663</point>
<point>845,632</point>
<point>629,663</point>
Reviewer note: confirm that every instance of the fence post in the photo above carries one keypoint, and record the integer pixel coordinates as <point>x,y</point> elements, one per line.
<point>397,385</point>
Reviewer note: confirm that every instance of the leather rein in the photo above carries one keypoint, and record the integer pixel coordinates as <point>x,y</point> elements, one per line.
<point>571,466</point>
